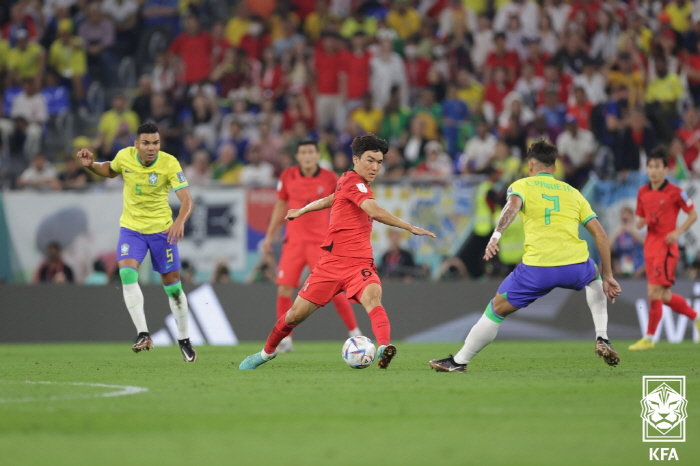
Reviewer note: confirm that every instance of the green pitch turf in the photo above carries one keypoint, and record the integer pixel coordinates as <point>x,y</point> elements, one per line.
<point>520,403</point>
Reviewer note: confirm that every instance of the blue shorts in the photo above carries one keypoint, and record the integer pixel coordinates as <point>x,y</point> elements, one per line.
<point>527,283</point>
<point>134,245</point>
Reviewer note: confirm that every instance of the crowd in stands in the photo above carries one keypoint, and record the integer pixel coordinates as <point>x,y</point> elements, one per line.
<point>455,86</point>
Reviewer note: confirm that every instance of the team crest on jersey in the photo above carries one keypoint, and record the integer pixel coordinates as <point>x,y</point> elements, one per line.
<point>181,177</point>
<point>361,187</point>
<point>124,249</point>
<point>153,178</point>
<point>687,199</point>
<point>319,190</point>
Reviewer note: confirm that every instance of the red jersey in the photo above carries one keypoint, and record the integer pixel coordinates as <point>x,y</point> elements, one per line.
<point>195,52</point>
<point>659,207</point>
<point>327,66</point>
<point>356,67</point>
<point>299,190</point>
<point>351,228</point>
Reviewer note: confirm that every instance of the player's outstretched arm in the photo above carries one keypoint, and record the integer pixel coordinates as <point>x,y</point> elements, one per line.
<point>99,168</point>
<point>508,214</point>
<point>610,286</point>
<point>321,204</point>
<point>275,222</point>
<point>372,209</point>
<point>176,232</point>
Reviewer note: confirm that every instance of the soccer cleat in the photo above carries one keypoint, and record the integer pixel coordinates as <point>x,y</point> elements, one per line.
<point>642,345</point>
<point>385,354</point>
<point>188,353</point>
<point>142,342</point>
<point>603,349</point>
<point>255,360</point>
<point>447,365</point>
<point>285,345</point>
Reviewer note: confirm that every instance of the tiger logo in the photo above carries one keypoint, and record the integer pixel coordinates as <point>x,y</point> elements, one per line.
<point>664,409</point>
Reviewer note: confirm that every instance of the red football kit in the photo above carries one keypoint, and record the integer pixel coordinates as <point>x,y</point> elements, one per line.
<point>348,263</point>
<point>305,234</point>
<point>660,207</point>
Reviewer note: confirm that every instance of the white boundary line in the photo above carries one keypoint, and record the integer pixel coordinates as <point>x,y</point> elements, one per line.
<point>122,390</point>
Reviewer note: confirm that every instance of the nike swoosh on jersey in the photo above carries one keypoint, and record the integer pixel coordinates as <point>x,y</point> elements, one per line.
<point>128,171</point>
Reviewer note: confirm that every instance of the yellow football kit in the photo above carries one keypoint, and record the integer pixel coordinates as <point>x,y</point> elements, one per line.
<point>146,190</point>
<point>551,212</point>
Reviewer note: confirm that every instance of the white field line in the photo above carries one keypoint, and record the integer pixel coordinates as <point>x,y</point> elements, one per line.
<point>120,390</point>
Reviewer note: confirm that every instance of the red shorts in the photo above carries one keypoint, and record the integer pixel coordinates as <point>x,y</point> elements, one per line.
<point>661,268</point>
<point>296,256</point>
<point>334,274</point>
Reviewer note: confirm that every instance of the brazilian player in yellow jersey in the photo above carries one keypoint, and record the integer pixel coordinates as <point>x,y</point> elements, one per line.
<point>555,257</point>
<point>147,225</point>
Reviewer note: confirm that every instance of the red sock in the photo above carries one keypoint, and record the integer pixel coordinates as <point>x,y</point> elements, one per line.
<point>344,309</point>
<point>380,325</point>
<point>279,331</point>
<point>283,305</point>
<point>680,305</point>
<point>655,310</point>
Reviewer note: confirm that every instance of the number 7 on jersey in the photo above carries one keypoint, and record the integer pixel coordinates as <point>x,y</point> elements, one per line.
<point>547,210</point>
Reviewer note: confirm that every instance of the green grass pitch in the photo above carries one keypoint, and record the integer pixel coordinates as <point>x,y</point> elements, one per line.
<point>520,403</point>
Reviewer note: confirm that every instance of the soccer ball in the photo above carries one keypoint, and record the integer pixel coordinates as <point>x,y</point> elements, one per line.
<point>359,352</point>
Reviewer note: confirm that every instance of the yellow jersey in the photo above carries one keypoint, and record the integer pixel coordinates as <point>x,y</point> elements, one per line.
<point>146,190</point>
<point>551,212</point>
<point>26,63</point>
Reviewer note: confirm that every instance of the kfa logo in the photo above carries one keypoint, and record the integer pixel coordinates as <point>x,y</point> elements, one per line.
<point>153,178</point>
<point>124,249</point>
<point>664,408</point>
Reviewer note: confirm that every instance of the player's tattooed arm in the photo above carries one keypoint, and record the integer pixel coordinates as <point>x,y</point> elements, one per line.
<point>321,204</point>
<point>511,209</point>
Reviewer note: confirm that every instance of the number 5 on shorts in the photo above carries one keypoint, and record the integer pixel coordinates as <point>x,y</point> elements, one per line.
<point>169,253</point>
<point>547,210</point>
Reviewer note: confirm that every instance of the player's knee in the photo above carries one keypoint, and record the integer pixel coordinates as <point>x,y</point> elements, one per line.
<point>653,294</point>
<point>372,297</point>
<point>128,275</point>
<point>285,291</point>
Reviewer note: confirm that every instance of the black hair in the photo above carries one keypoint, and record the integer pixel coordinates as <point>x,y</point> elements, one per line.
<point>543,152</point>
<point>307,142</point>
<point>146,128</point>
<point>368,142</point>
<point>658,153</point>
<point>499,35</point>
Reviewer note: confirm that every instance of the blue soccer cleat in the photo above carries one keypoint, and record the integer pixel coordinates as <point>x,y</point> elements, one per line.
<point>255,360</point>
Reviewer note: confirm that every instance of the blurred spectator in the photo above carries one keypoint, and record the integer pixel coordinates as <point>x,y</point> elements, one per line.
<point>124,15</point>
<point>558,11</point>
<point>592,82</point>
<point>403,19</point>
<point>679,12</point>
<point>272,76</point>
<point>394,166</point>
<point>604,44</point>
<point>456,12</point>
<point>355,73</point>
<point>111,122</point>
<point>417,68</point>
<point>53,269</point>
<point>19,20</point>
<point>627,246</point>
<point>257,172</point>
<point>141,104</point>
<point>265,271</point>
<point>290,38</point>
<point>571,57</point>
<point>40,175</point>
<point>220,43</point>
<point>483,41</point>
<point>692,71</point>
<point>25,60</point>
<point>454,111</point>
<point>437,164</point>
<point>238,25</point>
<point>357,22</point>
<point>227,168</point>
<point>67,56</point>
<point>397,263</point>
<point>194,47</point>
<point>396,118</point>
<point>256,39</point>
<point>327,68</point>
<point>98,276</point>
<point>635,139</point>
<point>529,85</point>
<point>241,113</point>
<point>689,133</point>
<point>430,112</point>
<point>501,58</point>
<point>73,175</point>
<point>662,95</point>
<point>581,108</point>
<point>298,110</point>
<point>98,36</point>
<point>167,75</point>
<point>627,76</point>
<point>527,10</point>
<point>413,141</point>
<point>161,15</point>
<point>57,96</point>
<point>235,137</point>
<point>23,130</point>
<point>576,147</point>
<point>479,150</point>
<point>553,110</point>
<point>269,114</point>
<point>204,120</point>
<point>199,173</point>
<point>469,90</point>
<point>233,73</point>
<point>170,129</point>
<point>505,162</point>
<point>387,71</point>
<point>341,162</point>
<point>188,273</point>
<point>368,116</point>
<point>269,145</point>
<point>515,38</point>
<point>221,274</point>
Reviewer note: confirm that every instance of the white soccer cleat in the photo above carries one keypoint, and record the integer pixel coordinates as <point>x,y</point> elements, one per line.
<point>285,345</point>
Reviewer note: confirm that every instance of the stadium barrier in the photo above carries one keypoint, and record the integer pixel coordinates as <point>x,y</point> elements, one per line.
<point>223,314</point>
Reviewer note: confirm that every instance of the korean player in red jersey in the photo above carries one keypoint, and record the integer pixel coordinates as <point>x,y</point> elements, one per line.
<point>658,203</point>
<point>347,263</point>
<point>297,187</point>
